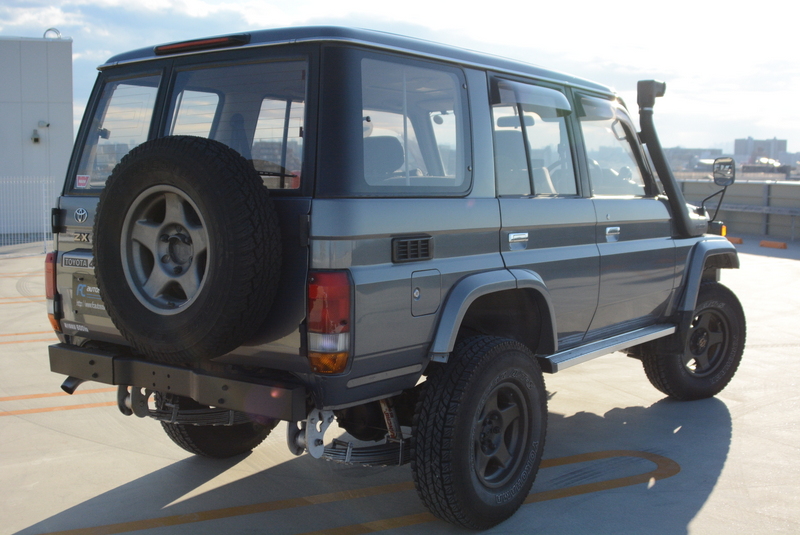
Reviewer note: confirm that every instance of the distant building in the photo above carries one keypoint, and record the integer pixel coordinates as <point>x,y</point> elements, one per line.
<point>748,151</point>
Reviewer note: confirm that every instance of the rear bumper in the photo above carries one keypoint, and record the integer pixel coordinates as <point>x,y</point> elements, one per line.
<point>272,399</point>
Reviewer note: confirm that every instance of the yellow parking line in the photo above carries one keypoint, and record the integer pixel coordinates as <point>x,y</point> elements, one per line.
<point>28,334</point>
<point>216,514</point>
<point>55,409</point>
<point>664,468</point>
<point>57,394</point>
<point>53,339</point>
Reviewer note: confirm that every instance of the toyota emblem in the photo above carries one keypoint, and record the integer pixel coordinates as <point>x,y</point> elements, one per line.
<point>80,215</point>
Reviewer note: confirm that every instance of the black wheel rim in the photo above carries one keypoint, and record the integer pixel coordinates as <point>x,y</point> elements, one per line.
<point>501,432</point>
<point>707,343</point>
<point>164,248</point>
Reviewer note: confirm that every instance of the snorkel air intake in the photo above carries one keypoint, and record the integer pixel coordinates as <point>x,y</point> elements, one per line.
<point>688,223</point>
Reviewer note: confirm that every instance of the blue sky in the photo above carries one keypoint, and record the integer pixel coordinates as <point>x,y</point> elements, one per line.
<point>731,72</point>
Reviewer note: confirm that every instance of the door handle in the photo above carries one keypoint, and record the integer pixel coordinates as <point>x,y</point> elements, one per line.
<point>612,234</point>
<point>517,237</point>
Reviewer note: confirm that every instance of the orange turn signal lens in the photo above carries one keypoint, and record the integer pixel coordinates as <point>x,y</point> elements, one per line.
<point>328,363</point>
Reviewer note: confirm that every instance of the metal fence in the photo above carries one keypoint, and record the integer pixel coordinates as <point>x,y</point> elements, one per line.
<point>768,208</point>
<point>25,205</point>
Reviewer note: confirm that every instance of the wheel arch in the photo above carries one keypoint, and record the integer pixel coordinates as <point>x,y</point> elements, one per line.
<point>503,303</point>
<point>705,260</point>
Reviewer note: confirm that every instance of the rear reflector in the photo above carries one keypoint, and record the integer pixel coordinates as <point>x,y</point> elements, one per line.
<point>50,289</point>
<point>50,275</point>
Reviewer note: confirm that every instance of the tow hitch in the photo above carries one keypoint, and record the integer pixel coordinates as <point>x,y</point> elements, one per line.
<point>138,401</point>
<point>310,435</point>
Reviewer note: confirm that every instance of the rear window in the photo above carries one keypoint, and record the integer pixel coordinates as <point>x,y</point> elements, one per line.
<point>120,122</point>
<point>257,109</point>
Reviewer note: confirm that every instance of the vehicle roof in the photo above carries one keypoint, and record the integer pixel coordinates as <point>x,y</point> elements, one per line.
<point>375,39</point>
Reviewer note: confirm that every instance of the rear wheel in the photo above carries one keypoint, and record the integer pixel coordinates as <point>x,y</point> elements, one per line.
<point>479,432</point>
<point>711,354</point>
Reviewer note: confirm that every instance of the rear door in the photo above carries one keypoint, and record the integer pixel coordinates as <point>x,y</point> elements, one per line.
<point>548,227</point>
<point>122,119</point>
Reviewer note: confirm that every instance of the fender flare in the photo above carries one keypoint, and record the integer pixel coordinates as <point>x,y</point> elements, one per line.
<point>717,250</point>
<point>470,288</point>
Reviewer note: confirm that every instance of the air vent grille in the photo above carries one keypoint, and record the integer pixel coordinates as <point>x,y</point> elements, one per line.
<point>412,249</point>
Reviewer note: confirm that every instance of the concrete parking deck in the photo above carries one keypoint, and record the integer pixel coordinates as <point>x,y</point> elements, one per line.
<point>619,458</point>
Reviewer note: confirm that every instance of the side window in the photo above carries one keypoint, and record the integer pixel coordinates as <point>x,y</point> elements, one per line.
<point>613,166</point>
<point>532,151</point>
<point>120,123</point>
<point>412,127</point>
<point>257,109</point>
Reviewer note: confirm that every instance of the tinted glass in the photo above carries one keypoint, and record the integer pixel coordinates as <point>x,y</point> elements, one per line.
<point>532,151</point>
<point>120,122</point>
<point>257,109</point>
<point>411,126</point>
<point>613,167</point>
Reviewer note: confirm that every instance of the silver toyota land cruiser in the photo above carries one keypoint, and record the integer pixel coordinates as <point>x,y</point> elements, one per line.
<point>322,224</point>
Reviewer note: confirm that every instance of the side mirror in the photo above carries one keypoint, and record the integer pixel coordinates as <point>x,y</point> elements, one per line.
<point>724,172</point>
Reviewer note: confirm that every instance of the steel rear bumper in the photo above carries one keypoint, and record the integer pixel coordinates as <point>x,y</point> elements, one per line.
<point>272,399</point>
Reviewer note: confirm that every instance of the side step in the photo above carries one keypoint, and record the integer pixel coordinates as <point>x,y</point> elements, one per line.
<point>564,359</point>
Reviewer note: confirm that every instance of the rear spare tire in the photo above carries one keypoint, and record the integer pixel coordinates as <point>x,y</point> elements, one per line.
<point>187,249</point>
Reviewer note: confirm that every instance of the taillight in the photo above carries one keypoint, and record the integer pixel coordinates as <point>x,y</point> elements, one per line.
<point>328,321</point>
<point>50,289</point>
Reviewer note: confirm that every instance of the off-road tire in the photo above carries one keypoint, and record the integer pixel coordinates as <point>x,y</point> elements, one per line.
<point>187,249</point>
<point>217,441</point>
<point>486,404</point>
<point>712,353</point>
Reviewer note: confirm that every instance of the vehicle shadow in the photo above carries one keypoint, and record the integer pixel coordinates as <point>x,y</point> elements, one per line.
<point>303,494</point>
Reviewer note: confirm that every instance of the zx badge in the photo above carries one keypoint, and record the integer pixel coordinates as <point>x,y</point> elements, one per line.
<point>83,237</point>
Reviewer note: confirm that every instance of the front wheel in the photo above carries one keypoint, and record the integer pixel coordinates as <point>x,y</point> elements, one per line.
<point>711,354</point>
<point>479,432</point>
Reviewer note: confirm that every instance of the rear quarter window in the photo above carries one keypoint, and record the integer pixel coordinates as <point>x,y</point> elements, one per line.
<point>392,126</point>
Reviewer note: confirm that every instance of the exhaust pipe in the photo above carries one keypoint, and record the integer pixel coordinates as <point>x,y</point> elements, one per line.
<point>71,384</point>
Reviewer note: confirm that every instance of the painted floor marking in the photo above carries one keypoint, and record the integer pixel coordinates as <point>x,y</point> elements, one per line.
<point>9,342</point>
<point>55,409</point>
<point>665,468</point>
<point>57,394</point>
<point>23,300</point>
<point>28,334</point>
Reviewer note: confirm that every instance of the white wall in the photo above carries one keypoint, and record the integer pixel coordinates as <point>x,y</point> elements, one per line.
<point>35,86</point>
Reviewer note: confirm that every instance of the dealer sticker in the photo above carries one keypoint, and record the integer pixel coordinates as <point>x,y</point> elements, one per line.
<point>86,295</point>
